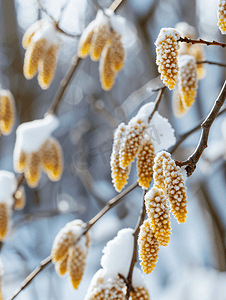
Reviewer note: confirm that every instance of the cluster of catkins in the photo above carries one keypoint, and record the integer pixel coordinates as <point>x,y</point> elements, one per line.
<point>42,43</point>
<point>130,142</point>
<point>69,255</point>
<point>178,65</point>
<point>102,40</point>
<point>10,197</point>
<point>169,185</point>
<point>35,150</point>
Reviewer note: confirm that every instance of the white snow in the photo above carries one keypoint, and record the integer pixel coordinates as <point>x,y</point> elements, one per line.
<point>159,129</point>
<point>47,31</point>
<point>8,185</point>
<point>118,253</point>
<point>167,33</point>
<point>185,29</point>
<point>30,136</point>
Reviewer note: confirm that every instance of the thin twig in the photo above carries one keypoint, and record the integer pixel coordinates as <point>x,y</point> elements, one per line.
<point>45,11</point>
<point>210,63</point>
<point>157,101</point>
<point>134,257</point>
<point>194,158</point>
<point>201,41</point>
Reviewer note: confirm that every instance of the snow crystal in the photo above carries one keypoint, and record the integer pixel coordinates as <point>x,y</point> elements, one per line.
<point>32,135</point>
<point>118,253</point>
<point>8,185</point>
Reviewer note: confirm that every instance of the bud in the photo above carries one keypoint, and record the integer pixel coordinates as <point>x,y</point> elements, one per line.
<point>167,47</point>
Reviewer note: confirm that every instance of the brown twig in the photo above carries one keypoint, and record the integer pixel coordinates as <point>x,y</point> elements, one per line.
<point>210,63</point>
<point>134,257</point>
<point>157,101</point>
<point>194,158</point>
<point>201,41</point>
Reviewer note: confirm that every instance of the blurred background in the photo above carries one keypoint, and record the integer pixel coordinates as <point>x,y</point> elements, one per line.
<point>193,266</point>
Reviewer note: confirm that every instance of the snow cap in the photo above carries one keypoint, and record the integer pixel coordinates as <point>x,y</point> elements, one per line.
<point>8,185</point>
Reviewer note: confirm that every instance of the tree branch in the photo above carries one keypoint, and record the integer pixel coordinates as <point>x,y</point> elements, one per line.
<point>194,158</point>
<point>210,63</point>
<point>134,257</point>
<point>157,101</point>
<point>201,41</point>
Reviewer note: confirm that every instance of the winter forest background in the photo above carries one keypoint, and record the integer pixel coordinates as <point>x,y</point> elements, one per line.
<point>193,266</point>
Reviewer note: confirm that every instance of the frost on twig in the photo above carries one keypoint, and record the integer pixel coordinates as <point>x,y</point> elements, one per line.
<point>35,149</point>
<point>68,256</point>
<point>42,43</point>
<point>102,40</point>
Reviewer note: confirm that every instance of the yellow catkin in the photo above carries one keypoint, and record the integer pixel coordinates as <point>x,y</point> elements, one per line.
<point>99,40</point>
<point>7,111</point>
<point>119,175</point>
<point>167,48</point>
<point>52,159</point>
<point>179,109</point>
<point>188,79</point>
<point>222,16</point>
<point>20,162</point>
<point>76,264</point>
<point>32,170</point>
<point>85,40</point>
<point>175,189</point>
<point>148,247</point>
<point>197,51</point>
<point>30,33</point>
<point>158,215</point>
<point>19,198</point>
<point>4,220</point>
<point>106,288</point>
<point>133,140</point>
<point>140,293</point>
<point>158,169</point>
<point>62,243</point>
<point>32,57</point>
<point>145,162</point>
<point>118,53</point>
<point>61,266</point>
<point>107,75</point>
<point>47,67</point>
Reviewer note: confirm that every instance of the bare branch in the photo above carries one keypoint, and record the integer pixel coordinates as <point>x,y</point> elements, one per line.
<point>201,41</point>
<point>210,63</point>
<point>157,101</point>
<point>194,158</point>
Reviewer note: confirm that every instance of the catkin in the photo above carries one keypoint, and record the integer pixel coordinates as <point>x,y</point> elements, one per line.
<point>107,75</point>
<point>133,140</point>
<point>140,293</point>
<point>158,215</point>
<point>99,40</point>
<point>20,161</point>
<point>32,170</point>
<point>175,189</point>
<point>158,169</point>
<point>145,162</point>
<point>179,109</point>
<point>149,247</point>
<point>167,47</point>
<point>61,266</point>
<point>26,40</point>
<point>221,13</point>
<point>119,175</point>
<point>4,220</point>
<point>7,111</point>
<point>52,159</point>
<point>118,53</point>
<point>76,264</point>
<point>188,78</point>
<point>47,67</point>
<point>197,51</point>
